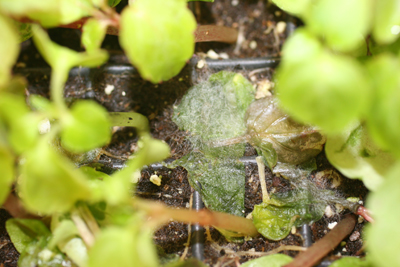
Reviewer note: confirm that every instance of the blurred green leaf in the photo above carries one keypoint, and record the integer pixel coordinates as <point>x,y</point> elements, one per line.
<point>277,260</point>
<point>93,33</point>
<point>343,24</point>
<point>355,155</point>
<point>161,48</point>
<point>327,90</point>
<point>88,127</point>
<point>123,247</point>
<point>23,232</point>
<point>383,120</point>
<point>7,172</point>
<point>65,230</point>
<point>49,182</point>
<point>222,181</point>
<point>24,29</point>
<point>386,24</point>
<point>76,250</point>
<point>49,13</point>
<point>383,234</point>
<point>280,138</point>
<point>296,7</point>
<point>274,219</point>
<point>8,49</point>
<point>352,262</point>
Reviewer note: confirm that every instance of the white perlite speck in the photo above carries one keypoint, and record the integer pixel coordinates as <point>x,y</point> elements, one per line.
<point>109,88</point>
<point>332,225</point>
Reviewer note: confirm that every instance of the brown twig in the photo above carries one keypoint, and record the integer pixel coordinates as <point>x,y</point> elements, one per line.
<point>161,214</point>
<point>323,246</point>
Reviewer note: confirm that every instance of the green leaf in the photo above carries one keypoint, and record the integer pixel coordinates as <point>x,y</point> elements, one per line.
<point>352,262</point>
<point>157,36</point>
<point>355,155</point>
<point>49,13</point>
<point>129,119</point>
<point>383,234</point>
<point>383,120</point>
<point>88,127</point>
<point>93,33</point>
<point>63,58</point>
<point>346,31</point>
<point>25,30</point>
<point>8,50</point>
<point>49,182</point>
<point>327,90</point>
<point>277,260</point>
<point>222,181</point>
<point>274,219</point>
<point>64,231</point>
<point>386,21</point>
<point>279,137</point>
<point>76,250</point>
<point>113,3</point>
<point>123,247</point>
<point>7,172</point>
<point>23,232</point>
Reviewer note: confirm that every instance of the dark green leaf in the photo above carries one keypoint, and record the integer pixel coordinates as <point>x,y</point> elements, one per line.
<point>88,127</point>
<point>23,232</point>
<point>161,48</point>
<point>355,155</point>
<point>277,260</point>
<point>280,138</point>
<point>113,3</point>
<point>25,30</point>
<point>274,219</point>
<point>49,182</point>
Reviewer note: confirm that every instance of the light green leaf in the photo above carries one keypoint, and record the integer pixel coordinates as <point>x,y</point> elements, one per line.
<point>129,119</point>
<point>383,120</point>
<point>76,250</point>
<point>23,232</point>
<point>93,33</point>
<point>355,155</point>
<point>329,91</point>
<point>49,13</point>
<point>280,138</point>
<point>277,260</point>
<point>342,23</point>
<point>383,234</point>
<point>123,247</point>
<point>24,132</point>
<point>88,127</point>
<point>64,231</point>
<point>161,48</point>
<point>386,24</point>
<point>49,182</point>
<point>8,49</point>
<point>351,262</point>
<point>274,219</point>
<point>6,172</point>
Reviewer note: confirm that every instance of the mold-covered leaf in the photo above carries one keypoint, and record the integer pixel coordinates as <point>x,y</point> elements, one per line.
<point>23,232</point>
<point>222,181</point>
<point>276,260</point>
<point>275,218</point>
<point>213,111</point>
<point>355,155</point>
<point>161,48</point>
<point>88,127</point>
<point>279,137</point>
<point>383,234</point>
<point>352,262</point>
<point>8,49</point>
<point>49,182</point>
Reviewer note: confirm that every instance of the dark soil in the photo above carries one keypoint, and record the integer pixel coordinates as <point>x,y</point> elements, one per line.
<point>131,93</point>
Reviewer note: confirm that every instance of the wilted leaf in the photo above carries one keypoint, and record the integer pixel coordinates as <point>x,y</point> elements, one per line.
<point>355,155</point>
<point>279,137</point>
<point>274,219</point>
<point>161,48</point>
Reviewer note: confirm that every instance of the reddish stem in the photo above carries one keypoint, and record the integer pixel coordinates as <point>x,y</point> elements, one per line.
<point>363,211</point>
<point>325,245</point>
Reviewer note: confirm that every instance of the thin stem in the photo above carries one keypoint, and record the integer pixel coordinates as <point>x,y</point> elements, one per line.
<point>58,78</point>
<point>261,174</point>
<point>161,213</point>
<point>85,233</point>
<point>323,246</point>
<point>258,253</point>
<point>363,211</point>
